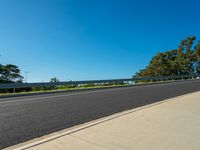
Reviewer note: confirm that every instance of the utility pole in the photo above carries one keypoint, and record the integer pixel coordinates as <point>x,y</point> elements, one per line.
<point>26,76</point>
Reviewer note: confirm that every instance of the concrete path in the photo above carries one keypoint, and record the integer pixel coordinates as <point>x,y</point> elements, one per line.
<point>169,125</point>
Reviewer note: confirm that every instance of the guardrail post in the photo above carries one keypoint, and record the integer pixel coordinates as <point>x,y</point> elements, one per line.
<point>13,90</point>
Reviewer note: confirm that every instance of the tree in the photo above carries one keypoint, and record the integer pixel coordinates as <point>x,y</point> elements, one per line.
<point>10,73</point>
<point>54,80</point>
<point>184,60</point>
<point>197,57</point>
<point>189,42</point>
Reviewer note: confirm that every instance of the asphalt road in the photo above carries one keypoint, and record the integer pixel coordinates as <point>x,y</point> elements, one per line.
<point>28,117</point>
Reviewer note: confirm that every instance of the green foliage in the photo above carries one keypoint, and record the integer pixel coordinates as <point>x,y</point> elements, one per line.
<point>197,58</point>
<point>10,73</point>
<point>54,80</point>
<point>184,60</point>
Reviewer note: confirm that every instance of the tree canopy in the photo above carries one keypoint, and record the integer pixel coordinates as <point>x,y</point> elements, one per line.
<point>184,60</point>
<point>54,80</point>
<point>10,73</point>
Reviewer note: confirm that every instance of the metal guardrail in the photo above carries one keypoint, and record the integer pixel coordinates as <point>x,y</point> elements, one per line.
<point>49,84</point>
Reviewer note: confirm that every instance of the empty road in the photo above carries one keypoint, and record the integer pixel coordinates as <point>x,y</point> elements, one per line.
<point>27,117</point>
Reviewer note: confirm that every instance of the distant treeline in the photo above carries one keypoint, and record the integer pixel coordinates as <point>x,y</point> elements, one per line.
<point>184,60</point>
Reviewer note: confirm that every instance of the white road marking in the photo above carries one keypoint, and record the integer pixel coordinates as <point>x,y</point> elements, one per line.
<point>64,95</point>
<point>71,94</point>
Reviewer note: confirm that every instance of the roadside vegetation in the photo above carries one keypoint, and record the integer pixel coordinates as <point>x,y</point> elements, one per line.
<point>61,88</point>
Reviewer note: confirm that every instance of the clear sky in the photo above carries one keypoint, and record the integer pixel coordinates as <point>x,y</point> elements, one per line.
<point>91,39</point>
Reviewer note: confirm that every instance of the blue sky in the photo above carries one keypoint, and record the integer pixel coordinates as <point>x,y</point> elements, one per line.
<point>91,39</point>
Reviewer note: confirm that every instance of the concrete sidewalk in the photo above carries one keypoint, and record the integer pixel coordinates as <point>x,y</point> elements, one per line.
<point>170,125</point>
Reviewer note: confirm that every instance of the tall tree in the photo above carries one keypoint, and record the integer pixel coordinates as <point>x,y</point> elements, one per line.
<point>54,80</point>
<point>181,61</point>
<point>10,73</point>
<point>197,57</point>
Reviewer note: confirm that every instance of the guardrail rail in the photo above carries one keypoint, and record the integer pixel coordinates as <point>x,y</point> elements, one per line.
<point>133,80</point>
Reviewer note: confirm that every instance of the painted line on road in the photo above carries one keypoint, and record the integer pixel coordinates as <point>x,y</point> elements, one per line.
<point>73,94</point>
<point>64,95</point>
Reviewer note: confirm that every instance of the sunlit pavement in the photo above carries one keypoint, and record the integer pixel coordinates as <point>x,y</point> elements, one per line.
<point>169,125</point>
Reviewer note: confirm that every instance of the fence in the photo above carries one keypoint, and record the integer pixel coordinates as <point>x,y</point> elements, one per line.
<point>134,80</point>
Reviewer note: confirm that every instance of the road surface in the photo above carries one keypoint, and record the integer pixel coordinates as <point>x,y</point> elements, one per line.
<point>27,117</point>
